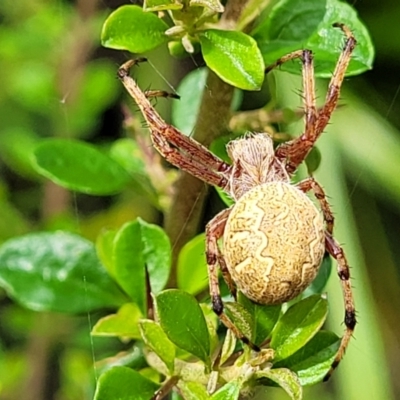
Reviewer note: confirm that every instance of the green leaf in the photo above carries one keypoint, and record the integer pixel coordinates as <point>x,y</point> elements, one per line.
<point>328,44</point>
<point>192,390</point>
<point>161,5</point>
<point>123,324</point>
<point>56,272</point>
<point>139,245</point>
<point>157,340</point>
<point>130,28</point>
<point>122,383</point>
<point>156,254</point>
<point>292,26</point>
<point>240,317</point>
<point>228,346</point>
<point>313,361</point>
<point>79,166</point>
<point>190,89</point>
<point>183,321</point>
<point>291,21</point>
<point>230,391</point>
<point>286,379</point>
<point>264,318</point>
<point>192,276</point>
<point>298,325</point>
<point>234,57</point>
<point>105,248</point>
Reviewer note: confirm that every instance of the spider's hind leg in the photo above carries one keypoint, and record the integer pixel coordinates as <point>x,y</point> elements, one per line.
<point>350,321</point>
<point>214,231</point>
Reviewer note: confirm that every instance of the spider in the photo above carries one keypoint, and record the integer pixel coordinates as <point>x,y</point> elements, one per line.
<point>274,236</point>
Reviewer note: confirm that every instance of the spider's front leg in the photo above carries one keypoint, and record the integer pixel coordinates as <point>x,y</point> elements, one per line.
<point>177,148</point>
<point>294,152</point>
<point>214,231</point>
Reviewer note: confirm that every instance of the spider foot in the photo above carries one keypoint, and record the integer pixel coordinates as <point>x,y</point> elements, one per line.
<point>124,69</point>
<point>161,93</point>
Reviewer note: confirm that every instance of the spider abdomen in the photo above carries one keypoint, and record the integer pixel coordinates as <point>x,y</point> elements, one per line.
<point>274,242</point>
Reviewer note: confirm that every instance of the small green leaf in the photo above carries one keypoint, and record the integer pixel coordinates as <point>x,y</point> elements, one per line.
<point>79,166</point>
<point>157,340</point>
<point>130,28</point>
<point>286,379</point>
<point>123,324</point>
<point>104,248</point>
<point>161,5</point>
<point>192,274</point>
<point>291,21</point>
<point>122,383</point>
<point>240,317</point>
<point>56,272</point>
<point>190,89</point>
<point>183,321</point>
<point>312,362</point>
<point>298,325</point>
<point>264,318</point>
<point>139,245</point>
<point>156,253</point>
<point>234,57</point>
<point>230,391</point>
<point>129,264</point>
<point>228,346</point>
<point>192,390</point>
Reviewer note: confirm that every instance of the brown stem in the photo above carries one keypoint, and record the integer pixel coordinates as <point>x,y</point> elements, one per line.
<point>182,220</point>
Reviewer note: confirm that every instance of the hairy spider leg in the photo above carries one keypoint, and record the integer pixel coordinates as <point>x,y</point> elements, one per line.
<point>178,149</point>
<point>295,151</point>
<point>214,231</point>
<point>311,184</point>
<point>343,271</point>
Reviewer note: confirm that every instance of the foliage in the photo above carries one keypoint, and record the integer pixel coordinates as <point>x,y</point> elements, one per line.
<point>177,339</point>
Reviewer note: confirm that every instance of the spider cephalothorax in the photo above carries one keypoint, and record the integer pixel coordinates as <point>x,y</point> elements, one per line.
<point>274,236</point>
<point>253,163</point>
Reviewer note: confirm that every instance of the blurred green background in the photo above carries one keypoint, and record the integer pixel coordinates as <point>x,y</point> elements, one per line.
<point>56,80</point>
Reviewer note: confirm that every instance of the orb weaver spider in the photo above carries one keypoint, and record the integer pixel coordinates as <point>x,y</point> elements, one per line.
<point>274,236</point>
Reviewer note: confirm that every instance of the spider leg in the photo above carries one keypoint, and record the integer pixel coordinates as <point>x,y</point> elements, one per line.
<point>311,184</point>
<point>337,79</point>
<point>295,151</point>
<point>178,149</point>
<point>350,321</point>
<point>214,231</point>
